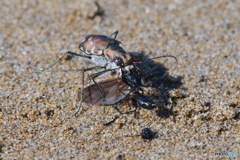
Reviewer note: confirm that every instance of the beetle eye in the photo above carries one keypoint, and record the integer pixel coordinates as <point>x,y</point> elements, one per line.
<point>118,61</point>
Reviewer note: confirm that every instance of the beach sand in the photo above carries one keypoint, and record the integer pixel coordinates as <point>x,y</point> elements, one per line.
<point>201,115</point>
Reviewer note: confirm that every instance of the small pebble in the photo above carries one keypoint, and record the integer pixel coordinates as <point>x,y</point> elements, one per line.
<point>147,133</point>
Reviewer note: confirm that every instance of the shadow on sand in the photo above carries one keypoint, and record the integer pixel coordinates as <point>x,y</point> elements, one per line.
<point>155,76</point>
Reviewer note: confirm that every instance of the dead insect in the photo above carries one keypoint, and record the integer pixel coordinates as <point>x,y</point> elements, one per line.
<point>133,79</point>
<point>111,91</point>
<point>106,92</point>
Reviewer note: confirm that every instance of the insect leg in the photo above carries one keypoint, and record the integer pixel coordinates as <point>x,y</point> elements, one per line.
<point>77,54</point>
<point>115,34</point>
<point>93,76</point>
<point>81,95</point>
<point>118,110</point>
<point>108,124</point>
<point>60,59</point>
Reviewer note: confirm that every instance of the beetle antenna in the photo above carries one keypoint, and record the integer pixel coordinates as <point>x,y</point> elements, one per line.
<point>59,60</point>
<point>156,58</point>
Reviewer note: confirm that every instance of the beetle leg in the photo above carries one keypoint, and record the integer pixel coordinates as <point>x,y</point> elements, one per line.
<point>108,124</point>
<point>115,34</point>
<point>119,111</point>
<point>77,54</point>
<point>135,104</point>
<point>80,105</point>
<point>59,60</point>
<point>101,90</point>
<point>84,70</point>
<point>93,76</point>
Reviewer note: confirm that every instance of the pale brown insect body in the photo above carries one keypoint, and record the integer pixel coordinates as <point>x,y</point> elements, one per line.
<point>114,91</point>
<point>105,50</point>
<point>95,44</point>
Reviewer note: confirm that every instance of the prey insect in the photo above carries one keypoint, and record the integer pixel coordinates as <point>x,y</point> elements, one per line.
<point>117,89</point>
<point>112,91</point>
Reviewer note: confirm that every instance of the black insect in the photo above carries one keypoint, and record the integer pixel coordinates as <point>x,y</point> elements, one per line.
<point>133,79</point>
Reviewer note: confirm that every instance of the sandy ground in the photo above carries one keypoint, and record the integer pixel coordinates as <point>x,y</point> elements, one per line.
<point>201,116</point>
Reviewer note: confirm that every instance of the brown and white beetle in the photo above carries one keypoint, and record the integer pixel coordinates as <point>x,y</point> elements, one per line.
<point>104,51</point>
<point>95,44</point>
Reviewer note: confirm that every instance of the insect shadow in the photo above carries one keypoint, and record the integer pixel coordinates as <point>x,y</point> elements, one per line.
<point>156,76</point>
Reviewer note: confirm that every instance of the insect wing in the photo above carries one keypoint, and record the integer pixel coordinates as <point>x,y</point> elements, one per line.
<point>114,90</point>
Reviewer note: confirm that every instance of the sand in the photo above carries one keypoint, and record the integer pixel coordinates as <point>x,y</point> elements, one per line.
<point>201,115</point>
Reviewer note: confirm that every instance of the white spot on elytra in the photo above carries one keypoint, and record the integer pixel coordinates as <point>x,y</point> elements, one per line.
<point>90,39</point>
<point>83,40</point>
<point>92,50</point>
<point>100,52</point>
<point>89,46</point>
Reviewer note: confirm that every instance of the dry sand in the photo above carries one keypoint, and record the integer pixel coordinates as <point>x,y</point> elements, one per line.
<point>36,109</point>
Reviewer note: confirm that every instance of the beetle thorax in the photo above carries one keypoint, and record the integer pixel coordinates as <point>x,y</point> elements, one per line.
<point>118,55</point>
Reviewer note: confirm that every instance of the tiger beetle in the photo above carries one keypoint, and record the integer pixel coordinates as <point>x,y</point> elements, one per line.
<point>107,53</point>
